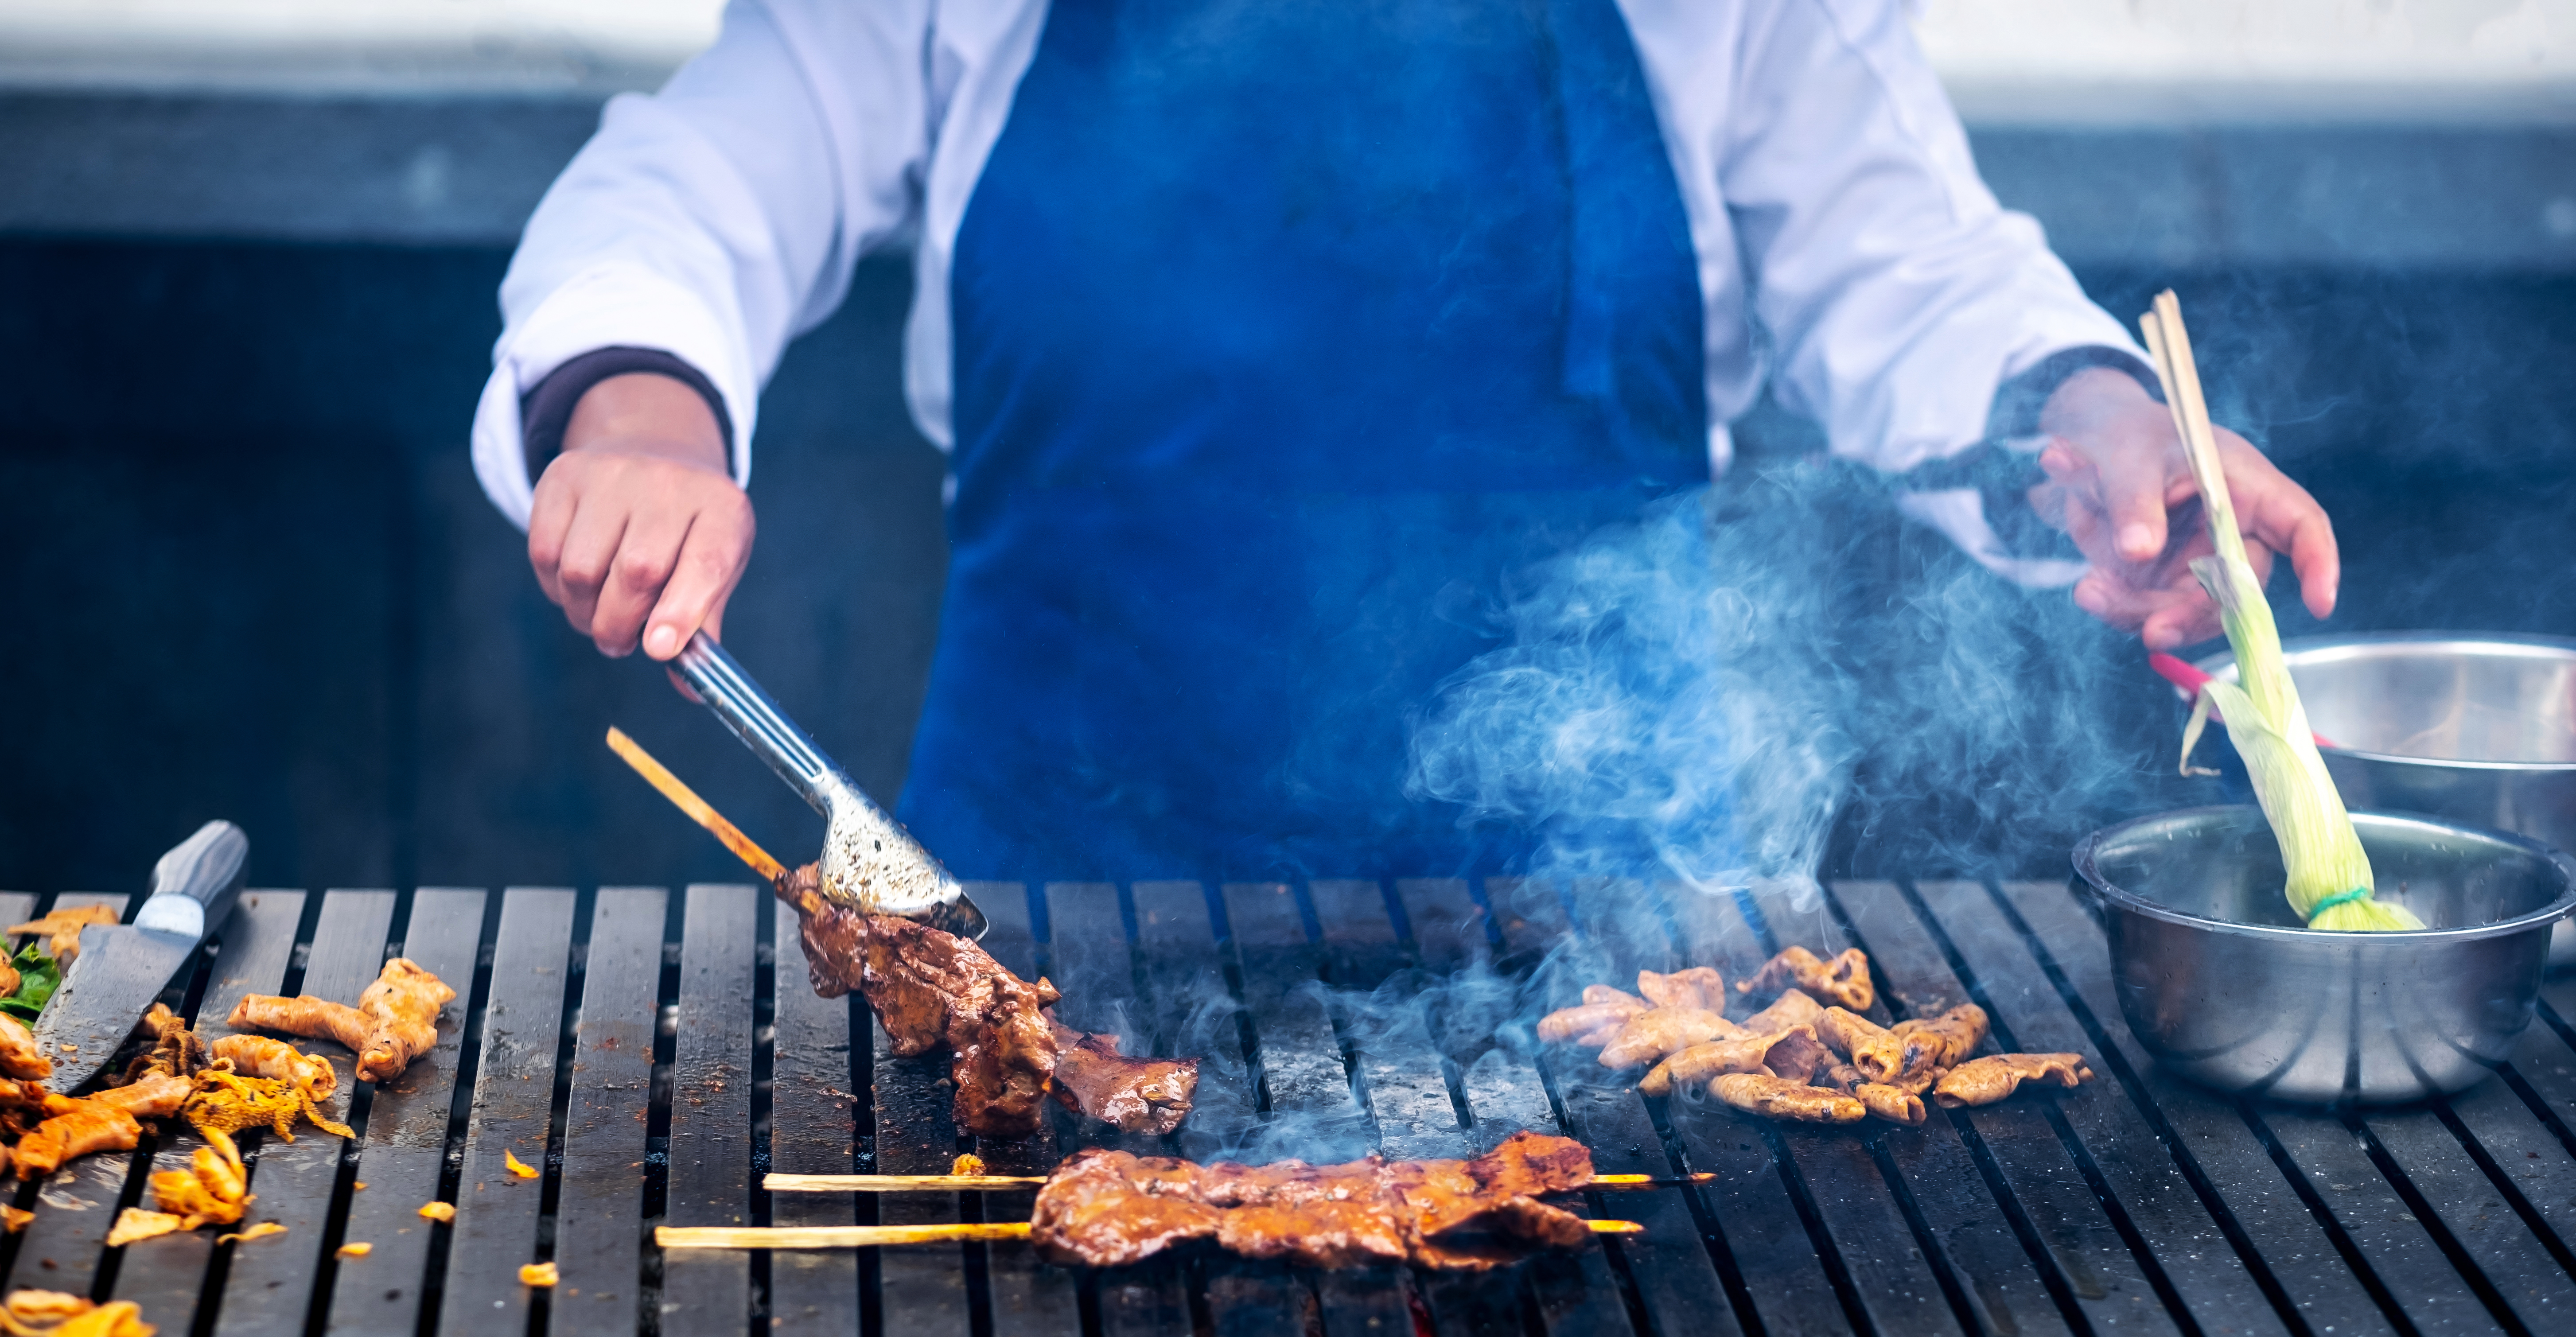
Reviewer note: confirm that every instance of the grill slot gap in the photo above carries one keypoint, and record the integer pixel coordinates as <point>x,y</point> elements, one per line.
<point>460,1110</point>
<point>657,1116</point>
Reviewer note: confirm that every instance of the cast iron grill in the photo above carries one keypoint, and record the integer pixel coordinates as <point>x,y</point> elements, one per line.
<point>654,1055</point>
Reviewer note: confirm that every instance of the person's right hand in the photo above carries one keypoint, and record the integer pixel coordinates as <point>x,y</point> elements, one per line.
<point>639,532</point>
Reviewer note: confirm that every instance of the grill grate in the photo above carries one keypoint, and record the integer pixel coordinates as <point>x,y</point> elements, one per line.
<point>653,1054</point>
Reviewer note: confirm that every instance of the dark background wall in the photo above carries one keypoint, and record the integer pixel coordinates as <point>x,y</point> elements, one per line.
<point>248,573</point>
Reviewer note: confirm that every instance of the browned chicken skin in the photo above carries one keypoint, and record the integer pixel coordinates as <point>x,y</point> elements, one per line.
<point>1844,980</point>
<point>1661,1031</point>
<point>1893,1104</point>
<point>19,1057</point>
<point>1698,986</point>
<point>1702,1063</point>
<point>1792,1008</point>
<point>75,1129</point>
<point>1109,1208</point>
<point>395,1021</point>
<point>1983,1081</point>
<point>1780,1098</point>
<point>1603,1011</point>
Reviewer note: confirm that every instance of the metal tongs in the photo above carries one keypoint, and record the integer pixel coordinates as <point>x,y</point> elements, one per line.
<point>869,861</point>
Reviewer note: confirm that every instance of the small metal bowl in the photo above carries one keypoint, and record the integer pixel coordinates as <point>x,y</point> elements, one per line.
<point>2222,984</point>
<point>2477,729</point>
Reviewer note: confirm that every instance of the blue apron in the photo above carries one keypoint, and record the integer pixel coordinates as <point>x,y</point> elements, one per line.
<point>1285,336</point>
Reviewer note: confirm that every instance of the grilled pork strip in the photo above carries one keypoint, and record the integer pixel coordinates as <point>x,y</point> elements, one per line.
<point>1109,1208</point>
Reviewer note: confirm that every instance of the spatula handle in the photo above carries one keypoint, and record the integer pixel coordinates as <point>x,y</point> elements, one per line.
<point>194,885</point>
<point>757,720</point>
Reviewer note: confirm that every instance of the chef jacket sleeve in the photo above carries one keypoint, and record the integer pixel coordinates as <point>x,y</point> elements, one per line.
<point>718,218</point>
<point>1896,294</point>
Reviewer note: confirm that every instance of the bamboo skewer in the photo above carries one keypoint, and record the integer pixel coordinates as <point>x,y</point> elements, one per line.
<point>660,777</point>
<point>869,1237</point>
<point>794,1183</point>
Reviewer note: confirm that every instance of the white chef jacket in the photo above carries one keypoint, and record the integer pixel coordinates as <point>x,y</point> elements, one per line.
<point>1833,208</point>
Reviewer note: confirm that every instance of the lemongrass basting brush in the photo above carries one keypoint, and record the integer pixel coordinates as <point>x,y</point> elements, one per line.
<point>2329,874</point>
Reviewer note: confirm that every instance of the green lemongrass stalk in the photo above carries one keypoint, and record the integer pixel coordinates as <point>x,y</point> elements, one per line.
<point>2330,883</point>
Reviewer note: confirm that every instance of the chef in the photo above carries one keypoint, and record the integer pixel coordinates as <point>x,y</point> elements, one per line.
<point>1267,342</point>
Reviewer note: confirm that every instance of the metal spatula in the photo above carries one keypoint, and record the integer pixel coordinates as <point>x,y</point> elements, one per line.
<point>869,860</point>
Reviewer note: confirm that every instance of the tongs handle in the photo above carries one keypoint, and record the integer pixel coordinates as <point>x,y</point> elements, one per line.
<point>757,720</point>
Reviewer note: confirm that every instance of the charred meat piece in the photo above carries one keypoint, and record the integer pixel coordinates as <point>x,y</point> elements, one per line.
<point>929,988</point>
<point>1699,986</point>
<point>175,1050</point>
<point>1110,1208</point>
<point>1133,1095</point>
<point>1798,1055</point>
<point>1844,980</point>
<point>1983,1081</point>
<point>1780,1098</point>
<point>1661,1031</point>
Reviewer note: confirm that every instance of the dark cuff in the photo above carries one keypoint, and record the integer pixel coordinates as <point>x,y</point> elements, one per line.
<point>2004,476</point>
<point>546,409</point>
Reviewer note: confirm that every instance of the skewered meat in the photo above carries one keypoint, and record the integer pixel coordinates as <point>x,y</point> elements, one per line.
<point>1844,980</point>
<point>1108,1208</point>
<point>1704,1062</point>
<point>929,987</point>
<point>1983,1081</point>
<point>19,1056</point>
<point>1893,1104</point>
<point>1660,1031</point>
<point>1135,1095</point>
<point>1780,1098</point>
<point>1793,1008</point>
<point>61,931</point>
<point>395,1021</point>
<point>1698,986</point>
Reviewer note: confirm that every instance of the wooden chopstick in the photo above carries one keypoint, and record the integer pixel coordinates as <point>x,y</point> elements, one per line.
<point>687,800</point>
<point>2170,344</point>
<point>868,1237</point>
<point>794,1183</point>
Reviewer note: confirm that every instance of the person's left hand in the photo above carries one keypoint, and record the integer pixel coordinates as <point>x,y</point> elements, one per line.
<point>2116,470</point>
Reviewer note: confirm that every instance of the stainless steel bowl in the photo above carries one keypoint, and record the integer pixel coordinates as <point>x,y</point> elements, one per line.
<point>2480,730</point>
<point>2223,986</point>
